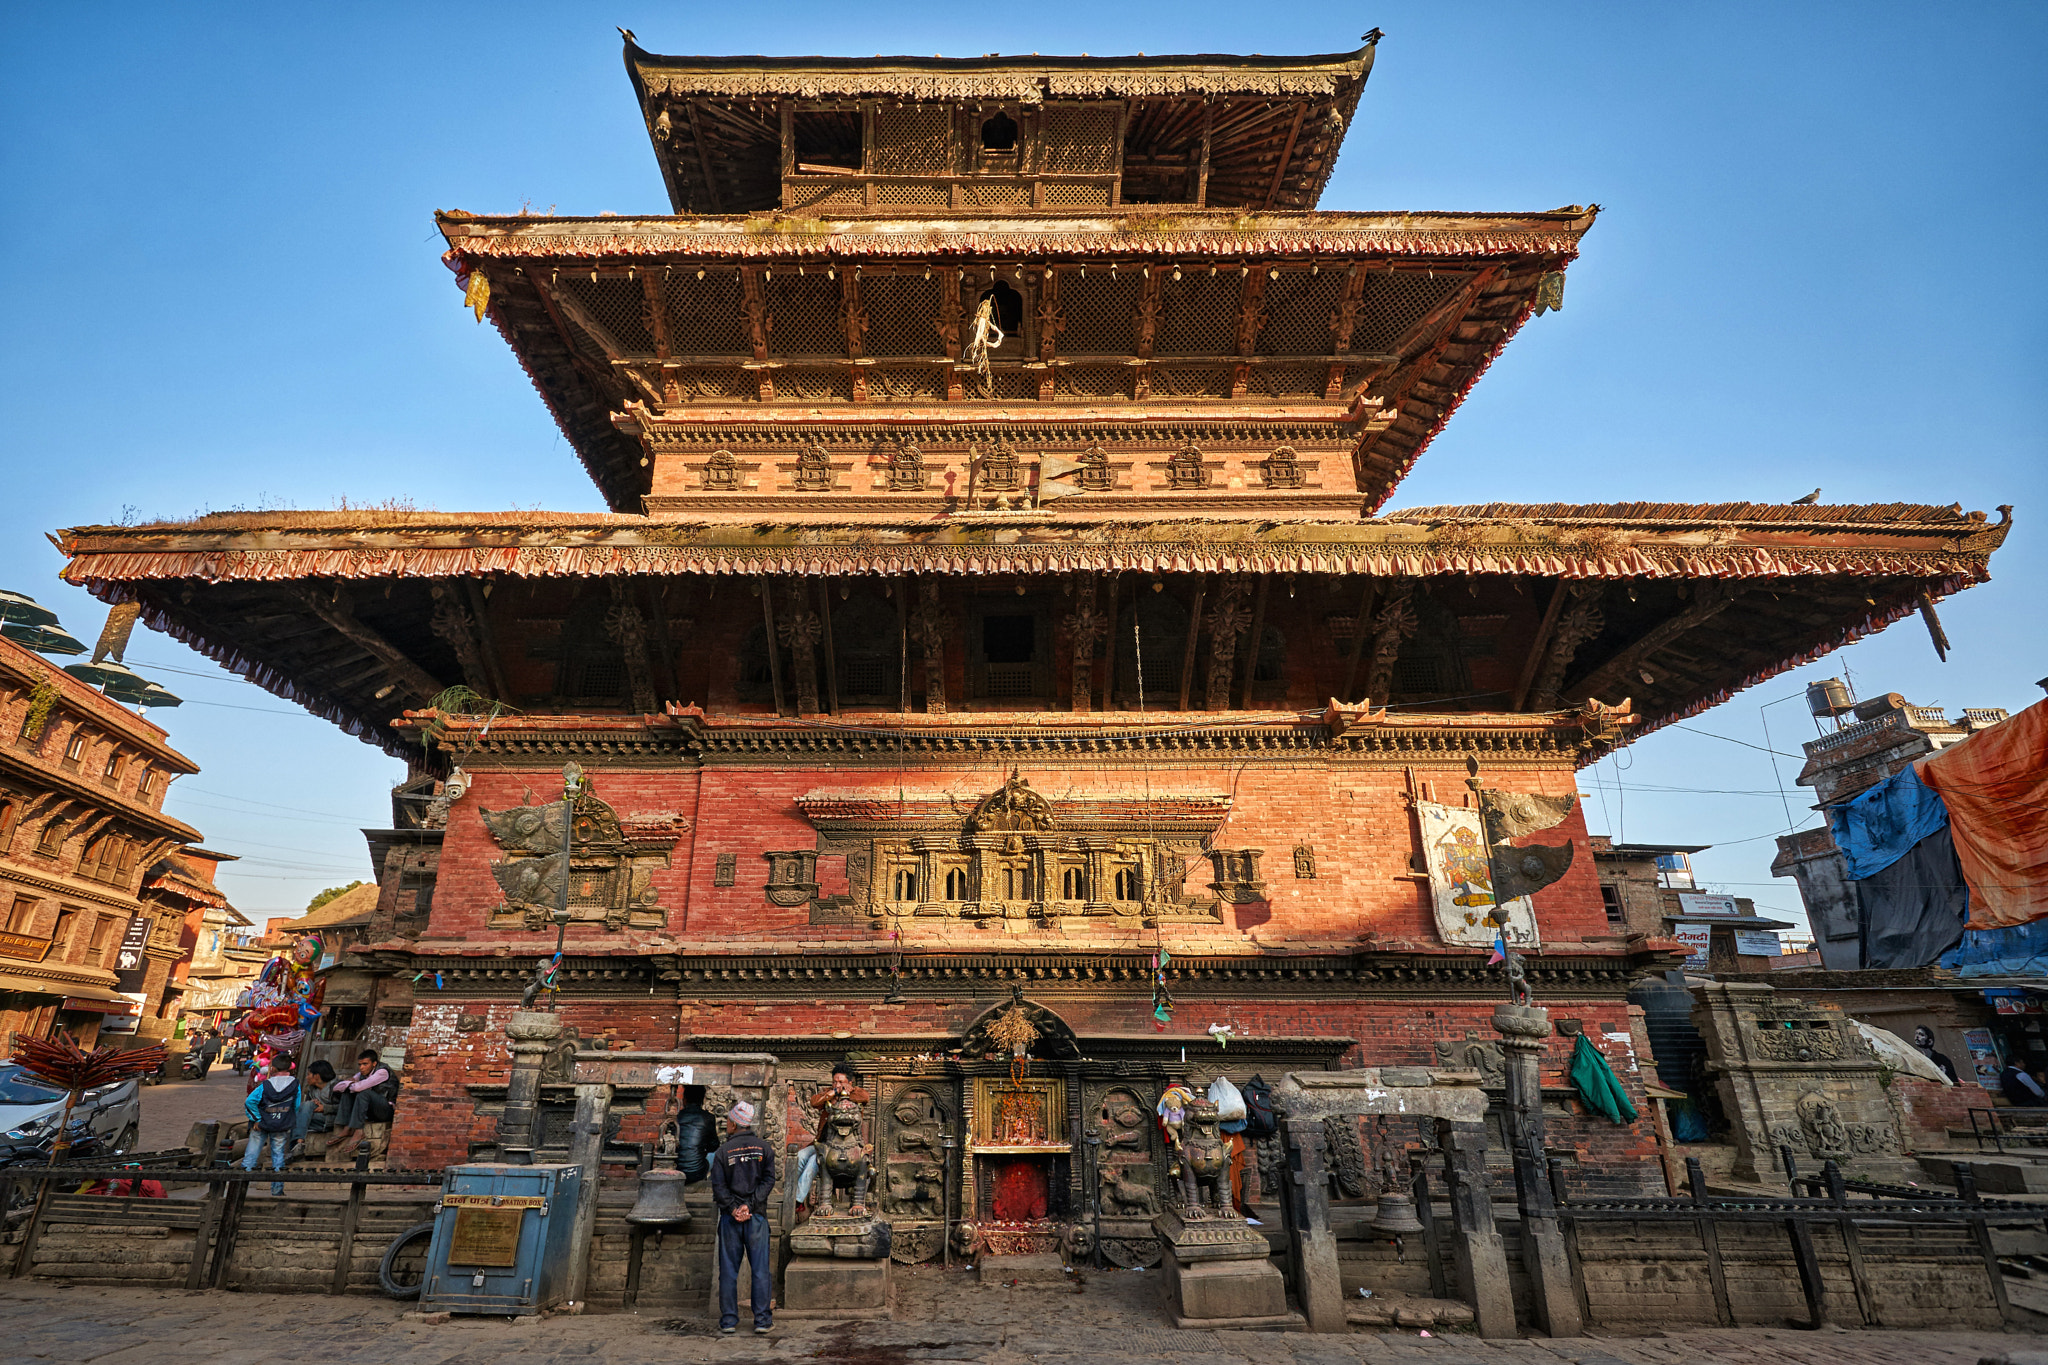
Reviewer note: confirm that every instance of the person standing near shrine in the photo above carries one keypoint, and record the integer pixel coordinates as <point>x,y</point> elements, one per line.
<point>742,1178</point>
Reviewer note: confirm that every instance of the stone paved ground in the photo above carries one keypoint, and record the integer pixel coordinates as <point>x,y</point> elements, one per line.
<point>1113,1319</point>
<point>170,1108</point>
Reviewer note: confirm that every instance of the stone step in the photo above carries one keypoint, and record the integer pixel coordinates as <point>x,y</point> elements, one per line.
<point>1040,1271</point>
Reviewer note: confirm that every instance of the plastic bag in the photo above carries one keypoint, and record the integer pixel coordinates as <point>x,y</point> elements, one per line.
<point>1229,1103</point>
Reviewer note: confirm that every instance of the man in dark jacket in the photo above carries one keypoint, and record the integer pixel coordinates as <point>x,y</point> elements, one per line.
<point>695,1137</point>
<point>2020,1090</point>
<point>742,1177</point>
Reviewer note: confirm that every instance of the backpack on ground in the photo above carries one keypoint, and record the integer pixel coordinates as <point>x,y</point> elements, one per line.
<point>1259,1121</point>
<point>278,1110</point>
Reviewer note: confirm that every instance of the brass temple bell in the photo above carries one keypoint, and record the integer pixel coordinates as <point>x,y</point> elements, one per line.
<point>1395,1215</point>
<point>660,1205</point>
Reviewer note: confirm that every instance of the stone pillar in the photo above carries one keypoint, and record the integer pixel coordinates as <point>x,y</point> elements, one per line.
<point>1313,1245</point>
<point>1523,1030</point>
<point>586,1149</point>
<point>533,1034</point>
<point>1477,1251</point>
<point>931,881</point>
<point>982,883</point>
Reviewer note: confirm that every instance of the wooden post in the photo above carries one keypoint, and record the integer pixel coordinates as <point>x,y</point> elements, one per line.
<point>636,1251</point>
<point>1359,631</point>
<point>902,595</point>
<point>1202,170</point>
<point>1710,1242</point>
<point>1810,1282</point>
<point>1852,1244</point>
<point>1966,1187</point>
<point>25,1258</point>
<point>209,1143</point>
<point>351,1214</point>
<point>1560,1197</point>
<point>1187,654</point>
<point>202,1237</point>
<point>774,646</point>
<point>1439,1286</point>
<point>1251,663</point>
<point>831,659</point>
<point>1109,648</point>
<point>230,1227</point>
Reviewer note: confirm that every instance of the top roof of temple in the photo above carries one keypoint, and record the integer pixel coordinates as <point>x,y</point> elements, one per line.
<point>1270,126</point>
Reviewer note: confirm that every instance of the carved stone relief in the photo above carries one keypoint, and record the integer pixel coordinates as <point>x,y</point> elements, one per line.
<point>1282,469</point>
<point>792,877</point>
<point>1185,470</point>
<point>914,1119</point>
<point>1304,862</point>
<point>906,468</point>
<point>610,875</point>
<point>1127,1171</point>
<point>1474,1054</point>
<point>725,871</point>
<point>1237,875</point>
<point>1096,476</point>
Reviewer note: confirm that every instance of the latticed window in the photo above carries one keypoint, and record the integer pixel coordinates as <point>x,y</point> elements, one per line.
<point>1394,302</point>
<point>915,140</point>
<point>1078,139</point>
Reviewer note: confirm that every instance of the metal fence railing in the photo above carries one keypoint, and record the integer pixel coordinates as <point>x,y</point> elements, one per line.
<point>2025,1128</point>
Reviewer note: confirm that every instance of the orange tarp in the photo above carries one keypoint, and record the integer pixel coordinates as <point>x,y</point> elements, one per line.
<point>1995,785</point>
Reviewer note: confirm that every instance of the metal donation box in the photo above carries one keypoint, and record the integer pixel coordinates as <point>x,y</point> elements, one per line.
<point>501,1239</point>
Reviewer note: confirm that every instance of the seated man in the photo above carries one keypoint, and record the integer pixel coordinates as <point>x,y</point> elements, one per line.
<point>316,1105</point>
<point>363,1107</point>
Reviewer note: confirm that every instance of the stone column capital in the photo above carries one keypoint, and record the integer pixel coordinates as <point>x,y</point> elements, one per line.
<point>1522,1027</point>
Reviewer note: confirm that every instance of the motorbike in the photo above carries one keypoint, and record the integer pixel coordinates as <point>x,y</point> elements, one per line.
<point>86,1146</point>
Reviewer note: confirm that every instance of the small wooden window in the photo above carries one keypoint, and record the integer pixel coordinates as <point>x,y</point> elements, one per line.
<point>74,750</point>
<point>10,813</point>
<point>1071,884</point>
<point>999,134</point>
<point>115,762</point>
<point>21,916</point>
<point>67,920</point>
<point>145,785</point>
<point>956,885</point>
<point>102,926</point>
<point>51,840</point>
<point>1127,884</point>
<point>906,884</point>
<point>1610,897</point>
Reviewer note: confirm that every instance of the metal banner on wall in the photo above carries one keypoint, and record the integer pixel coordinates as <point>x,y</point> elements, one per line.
<point>1461,882</point>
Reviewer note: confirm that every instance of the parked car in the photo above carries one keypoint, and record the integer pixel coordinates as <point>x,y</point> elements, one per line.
<point>30,1112</point>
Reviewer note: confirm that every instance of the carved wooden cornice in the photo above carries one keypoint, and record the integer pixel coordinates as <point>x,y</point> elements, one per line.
<point>1066,973</point>
<point>690,738</point>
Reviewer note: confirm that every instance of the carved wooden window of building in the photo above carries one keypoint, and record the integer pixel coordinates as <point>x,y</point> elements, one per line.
<point>956,884</point>
<point>999,135</point>
<point>906,885</point>
<point>74,749</point>
<point>1127,886</point>
<point>51,840</point>
<point>1283,470</point>
<point>116,761</point>
<point>145,785</point>
<point>867,650</point>
<point>1073,884</point>
<point>914,140</point>
<point>102,927</point>
<point>722,472</point>
<point>1008,656</point>
<point>1017,881</point>
<point>1610,900</point>
<point>813,471</point>
<point>21,916</point>
<point>1186,470</point>
<point>593,665</point>
<point>827,140</point>
<point>1096,476</point>
<point>67,925</point>
<point>1078,139</point>
<point>10,815</point>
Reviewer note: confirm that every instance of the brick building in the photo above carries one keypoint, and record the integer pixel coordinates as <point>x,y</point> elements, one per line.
<point>995,608</point>
<point>95,898</point>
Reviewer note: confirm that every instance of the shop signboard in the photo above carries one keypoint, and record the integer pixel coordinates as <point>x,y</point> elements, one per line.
<point>1696,938</point>
<point>1758,943</point>
<point>1692,904</point>
<point>1983,1056</point>
<point>131,965</point>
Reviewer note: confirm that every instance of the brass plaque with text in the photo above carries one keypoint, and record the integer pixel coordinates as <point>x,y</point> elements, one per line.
<point>485,1236</point>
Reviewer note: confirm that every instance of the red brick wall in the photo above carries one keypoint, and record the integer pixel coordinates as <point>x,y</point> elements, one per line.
<point>1355,817</point>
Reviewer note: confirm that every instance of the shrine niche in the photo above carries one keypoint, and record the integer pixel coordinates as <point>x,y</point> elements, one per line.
<point>610,873</point>
<point>1013,854</point>
<point>915,1119</point>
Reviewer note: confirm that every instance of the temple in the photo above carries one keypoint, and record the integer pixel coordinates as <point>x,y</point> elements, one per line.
<point>995,619</point>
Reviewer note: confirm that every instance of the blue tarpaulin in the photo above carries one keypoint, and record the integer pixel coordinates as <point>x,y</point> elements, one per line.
<point>2015,950</point>
<point>1881,826</point>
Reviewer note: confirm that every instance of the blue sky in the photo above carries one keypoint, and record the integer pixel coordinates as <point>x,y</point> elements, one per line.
<point>1821,263</point>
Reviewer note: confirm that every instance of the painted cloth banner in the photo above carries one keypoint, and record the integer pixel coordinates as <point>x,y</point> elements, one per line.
<point>1877,828</point>
<point>1995,785</point>
<point>1461,880</point>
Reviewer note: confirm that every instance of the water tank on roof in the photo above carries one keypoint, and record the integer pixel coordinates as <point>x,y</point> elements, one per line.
<point>1829,698</point>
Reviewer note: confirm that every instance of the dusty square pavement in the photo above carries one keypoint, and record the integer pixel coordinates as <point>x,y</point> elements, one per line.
<point>1112,1319</point>
<point>170,1108</point>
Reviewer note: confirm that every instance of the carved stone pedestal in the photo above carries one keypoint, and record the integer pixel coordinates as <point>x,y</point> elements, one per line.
<point>1219,1273</point>
<point>838,1267</point>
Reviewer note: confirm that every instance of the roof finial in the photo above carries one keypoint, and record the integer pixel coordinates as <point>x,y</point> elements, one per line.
<point>1372,38</point>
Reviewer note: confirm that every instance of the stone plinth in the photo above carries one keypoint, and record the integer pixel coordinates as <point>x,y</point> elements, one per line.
<point>838,1267</point>
<point>1219,1273</point>
<point>1798,1075</point>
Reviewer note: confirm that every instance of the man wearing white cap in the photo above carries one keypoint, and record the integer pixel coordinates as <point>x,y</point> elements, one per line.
<point>742,1177</point>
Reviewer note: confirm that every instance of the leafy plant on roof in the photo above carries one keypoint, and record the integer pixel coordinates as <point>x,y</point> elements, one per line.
<point>459,700</point>
<point>42,699</point>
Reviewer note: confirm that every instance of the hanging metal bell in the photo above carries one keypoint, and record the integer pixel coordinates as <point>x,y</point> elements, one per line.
<point>660,1204</point>
<point>1395,1216</point>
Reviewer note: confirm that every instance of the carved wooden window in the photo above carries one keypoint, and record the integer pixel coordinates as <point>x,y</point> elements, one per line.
<point>21,916</point>
<point>813,472</point>
<point>1185,470</point>
<point>1017,881</point>
<point>1073,884</point>
<point>51,840</point>
<point>722,472</point>
<point>145,785</point>
<point>1127,883</point>
<point>906,468</point>
<point>906,885</point>
<point>1283,470</point>
<point>10,814</point>
<point>593,665</point>
<point>999,134</point>
<point>1096,476</point>
<point>956,884</point>
<point>74,750</point>
<point>1610,900</point>
<point>1000,471</point>
<point>725,871</point>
